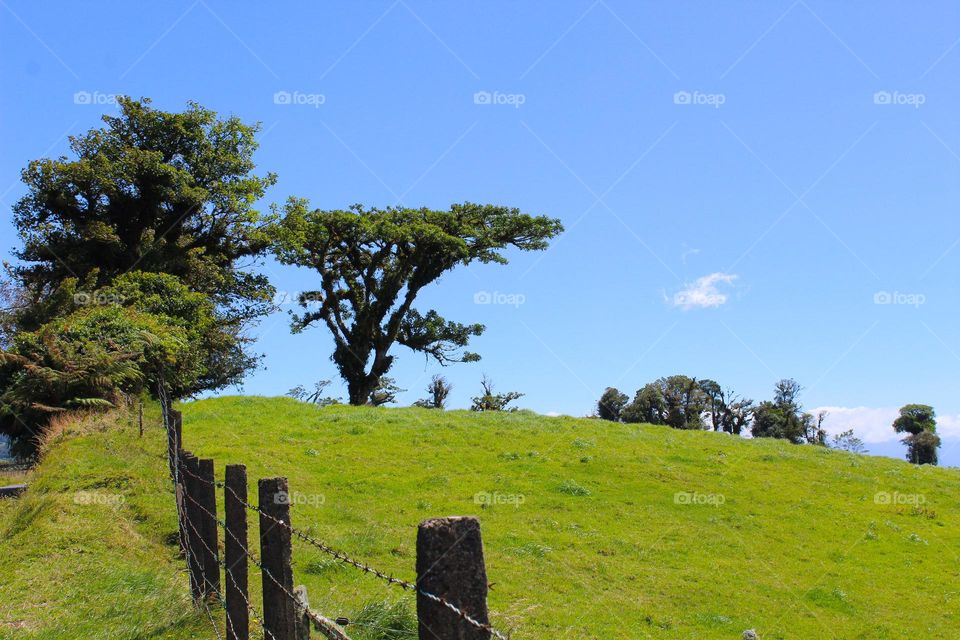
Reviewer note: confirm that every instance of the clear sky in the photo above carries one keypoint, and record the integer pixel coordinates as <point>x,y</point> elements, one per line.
<point>751,190</point>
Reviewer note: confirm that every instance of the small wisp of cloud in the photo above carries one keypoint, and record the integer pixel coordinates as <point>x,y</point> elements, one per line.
<point>704,292</point>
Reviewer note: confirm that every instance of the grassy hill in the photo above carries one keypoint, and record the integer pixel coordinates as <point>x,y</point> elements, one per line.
<point>591,529</point>
<point>86,552</point>
<point>601,530</point>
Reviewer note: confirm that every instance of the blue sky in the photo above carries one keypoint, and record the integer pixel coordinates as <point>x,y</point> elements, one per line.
<point>751,190</point>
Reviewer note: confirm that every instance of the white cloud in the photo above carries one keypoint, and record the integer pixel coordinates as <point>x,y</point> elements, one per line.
<point>875,424</point>
<point>704,292</point>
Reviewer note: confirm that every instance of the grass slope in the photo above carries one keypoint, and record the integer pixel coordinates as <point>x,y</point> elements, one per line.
<point>586,536</point>
<point>85,553</point>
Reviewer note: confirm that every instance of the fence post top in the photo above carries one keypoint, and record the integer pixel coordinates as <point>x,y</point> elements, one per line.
<point>451,521</point>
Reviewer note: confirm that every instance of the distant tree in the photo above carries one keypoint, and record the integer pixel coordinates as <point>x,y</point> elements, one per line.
<point>737,413</point>
<point>919,421</point>
<point>385,392</point>
<point>491,401</point>
<point>847,441</point>
<point>438,389</point>
<point>316,396</point>
<point>783,417</point>
<point>648,406</point>
<point>372,265</point>
<point>153,191</point>
<point>922,447</point>
<point>915,418</point>
<point>611,404</point>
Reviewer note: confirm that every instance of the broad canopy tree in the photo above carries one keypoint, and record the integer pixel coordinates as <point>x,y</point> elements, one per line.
<point>374,262</point>
<point>150,191</point>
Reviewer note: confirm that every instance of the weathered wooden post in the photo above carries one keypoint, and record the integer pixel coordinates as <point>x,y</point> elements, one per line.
<point>275,553</point>
<point>174,438</point>
<point>141,420</point>
<point>235,552</point>
<point>450,566</point>
<point>209,550</point>
<point>192,522</point>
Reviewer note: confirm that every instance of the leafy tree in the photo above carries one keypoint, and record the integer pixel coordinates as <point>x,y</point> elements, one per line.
<point>715,402</point>
<point>683,400</point>
<point>89,359</point>
<point>915,418</point>
<point>491,401</point>
<point>784,418</point>
<point>438,389</point>
<point>919,421</point>
<point>314,397</point>
<point>374,262</point>
<point>153,191</point>
<point>611,404</point>
<point>648,406</point>
<point>922,447</point>
<point>847,441</point>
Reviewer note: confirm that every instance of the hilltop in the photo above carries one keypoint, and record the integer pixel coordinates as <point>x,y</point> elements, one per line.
<point>592,529</point>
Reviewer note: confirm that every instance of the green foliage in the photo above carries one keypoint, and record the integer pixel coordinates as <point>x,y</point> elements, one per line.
<point>439,388</point>
<point>145,330</point>
<point>374,262</point>
<point>675,400</point>
<point>155,191</point>
<point>783,417</point>
<point>489,400</point>
<point>920,423</point>
<point>915,418</point>
<point>611,404</point>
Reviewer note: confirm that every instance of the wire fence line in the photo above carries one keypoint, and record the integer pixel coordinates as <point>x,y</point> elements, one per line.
<point>455,570</point>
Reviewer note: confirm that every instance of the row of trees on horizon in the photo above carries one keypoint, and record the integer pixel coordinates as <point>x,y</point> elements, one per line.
<point>683,402</point>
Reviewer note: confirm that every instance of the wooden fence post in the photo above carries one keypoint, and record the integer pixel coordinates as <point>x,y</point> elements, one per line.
<point>235,550</point>
<point>275,552</point>
<point>450,565</point>
<point>208,520</point>
<point>174,438</point>
<point>192,522</point>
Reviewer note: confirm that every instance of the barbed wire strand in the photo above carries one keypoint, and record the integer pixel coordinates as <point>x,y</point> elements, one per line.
<point>404,584</point>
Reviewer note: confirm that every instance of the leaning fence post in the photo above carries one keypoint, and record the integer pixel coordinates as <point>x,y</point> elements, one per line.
<point>450,566</point>
<point>275,552</point>
<point>208,520</point>
<point>192,522</point>
<point>235,550</point>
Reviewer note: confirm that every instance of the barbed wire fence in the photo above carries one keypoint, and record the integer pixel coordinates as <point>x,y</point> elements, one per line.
<point>450,588</point>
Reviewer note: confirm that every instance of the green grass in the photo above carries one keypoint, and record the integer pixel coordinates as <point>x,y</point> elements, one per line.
<point>85,553</point>
<point>599,530</point>
<point>591,529</point>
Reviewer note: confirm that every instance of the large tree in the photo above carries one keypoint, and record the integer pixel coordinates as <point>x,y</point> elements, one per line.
<point>374,262</point>
<point>150,191</point>
<point>784,417</point>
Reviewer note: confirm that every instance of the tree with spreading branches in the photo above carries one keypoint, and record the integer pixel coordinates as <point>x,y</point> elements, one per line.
<point>374,262</point>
